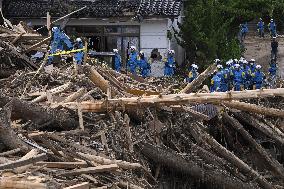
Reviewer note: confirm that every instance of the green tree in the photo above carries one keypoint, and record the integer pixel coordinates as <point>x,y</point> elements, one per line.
<point>210,27</point>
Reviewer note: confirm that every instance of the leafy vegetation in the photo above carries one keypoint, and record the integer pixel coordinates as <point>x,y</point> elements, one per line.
<point>210,27</point>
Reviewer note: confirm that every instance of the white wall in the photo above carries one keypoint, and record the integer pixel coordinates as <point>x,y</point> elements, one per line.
<point>153,34</point>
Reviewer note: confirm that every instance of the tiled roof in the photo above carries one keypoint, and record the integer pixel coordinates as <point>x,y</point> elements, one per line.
<point>95,8</point>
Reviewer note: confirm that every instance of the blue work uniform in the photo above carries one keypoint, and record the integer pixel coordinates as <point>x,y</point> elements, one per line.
<point>258,79</point>
<point>79,56</point>
<point>223,81</point>
<point>117,62</point>
<point>260,28</point>
<point>192,75</point>
<point>133,62</point>
<point>247,77</point>
<point>144,67</point>
<point>272,28</point>
<point>238,79</point>
<point>273,69</point>
<point>215,83</point>
<point>169,66</point>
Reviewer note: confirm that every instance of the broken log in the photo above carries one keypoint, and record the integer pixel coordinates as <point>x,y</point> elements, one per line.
<point>11,152</point>
<point>54,91</point>
<point>43,118</point>
<point>63,165</point>
<point>253,108</point>
<point>29,155</point>
<point>105,161</point>
<point>205,139</point>
<point>178,164</point>
<point>75,96</point>
<point>199,80</point>
<point>20,163</point>
<point>173,99</point>
<point>276,167</point>
<point>98,169</point>
<point>13,184</point>
<point>273,133</point>
<point>7,135</point>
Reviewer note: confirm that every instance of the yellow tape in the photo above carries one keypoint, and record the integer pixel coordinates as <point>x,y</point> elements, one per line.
<point>67,52</point>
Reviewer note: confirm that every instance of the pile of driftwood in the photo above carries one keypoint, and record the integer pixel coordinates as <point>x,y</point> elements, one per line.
<point>102,129</point>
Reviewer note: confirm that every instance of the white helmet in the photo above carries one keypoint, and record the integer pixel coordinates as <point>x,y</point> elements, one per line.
<point>115,50</point>
<point>133,48</point>
<point>194,66</point>
<point>219,66</point>
<point>236,60</point>
<point>258,67</point>
<point>217,60</point>
<point>252,60</point>
<point>171,51</point>
<point>142,52</point>
<point>237,65</point>
<point>55,29</point>
<point>229,63</point>
<point>78,40</point>
<point>271,20</point>
<point>245,62</point>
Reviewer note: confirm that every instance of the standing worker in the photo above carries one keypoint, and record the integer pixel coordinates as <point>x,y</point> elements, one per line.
<point>193,73</point>
<point>258,77</point>
<point>117,60</point>
<point>272,28</point>
<point>238,78</point>
<point>79,56</point>
<point>144,65</point>
<point>274,49</point>
<point>133,60</point>
<point>260,28</point>
<point>170,64</point>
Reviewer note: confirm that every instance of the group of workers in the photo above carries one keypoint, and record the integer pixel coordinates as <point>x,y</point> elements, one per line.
<point>260,29</point>
<point>237,75</point>
<point>138,64</point>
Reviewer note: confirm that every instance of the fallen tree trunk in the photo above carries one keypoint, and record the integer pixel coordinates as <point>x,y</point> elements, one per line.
<point>273,133</point>
<point>174,99</point>
<point>205,139</point>
<point>199,80</point>
<point>178,164</point>
<point>276,167</point>
<point>253,108</point>
<point>43,118</point>
<point>7,135</point>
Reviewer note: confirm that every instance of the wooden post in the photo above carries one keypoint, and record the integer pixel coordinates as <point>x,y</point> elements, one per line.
<point>48,23</point>
<point>85,52</point>
<point>80,114</point>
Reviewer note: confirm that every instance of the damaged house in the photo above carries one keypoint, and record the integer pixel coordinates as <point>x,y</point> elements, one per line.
<point>108,24</point>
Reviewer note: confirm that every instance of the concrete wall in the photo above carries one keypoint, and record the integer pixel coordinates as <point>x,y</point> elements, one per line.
<point>153,34</point>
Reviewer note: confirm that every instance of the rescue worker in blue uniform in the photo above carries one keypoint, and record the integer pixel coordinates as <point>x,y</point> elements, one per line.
<point>170,64</point>
<point>133,60</point>
<point>193,73</point>
<point>238,78</point>
<point>260,28</point>
<point>273,68</point>
<point>144,65</point>
<point>117,60</point>
<point>215,83</point>
<point>59,38</point>
<point>247,79</point>
<point>244,30</point>
<point>228,70</point>
<point>258,78</point>
<point>272,28</point>
<point>223,79</point>
<point>79,56</point>
<point>252,65</point>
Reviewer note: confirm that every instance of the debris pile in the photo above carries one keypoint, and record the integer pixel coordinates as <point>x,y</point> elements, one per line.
<point>104,129</point>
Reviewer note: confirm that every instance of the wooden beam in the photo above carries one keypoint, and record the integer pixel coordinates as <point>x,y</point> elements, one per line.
<point>84,185</point>
<point>98,169</point>
<point>20,163</point>
<point>9,184</point>
<point>37,45</point>
<point>253,108</point>
<point>174,99</point>
<point>11,152</point>
<point>75,95</point>
<point>63,165</point>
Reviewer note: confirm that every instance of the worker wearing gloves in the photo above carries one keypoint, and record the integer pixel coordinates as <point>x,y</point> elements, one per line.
<point>238,77</point>
<point>170,64</point>
<point>59,38</point>
<point>79,56</point>
<point>133,60</point>
<point>144,65</point>
<point>258,78</point>
<point>193,73</point>
<point>272,28</point>
<point>117,60</point>
<point>260,28</point>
